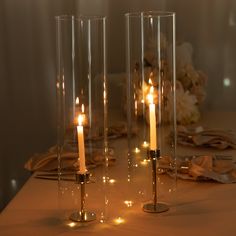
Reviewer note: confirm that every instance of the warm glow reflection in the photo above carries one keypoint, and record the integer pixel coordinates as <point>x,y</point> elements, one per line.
<point>13,184</point>
<point>145,144</point>
<point>144,162</point>
<point>151,21</point>
<point>226,82</point>
<point>102,219</point>
<point>128,203</point>
<point>104,95</point>
<point>137,150</point>
<point>80,119</point>
<point>112,181</point>
<point>136,107</point>
<point>119,221</point>
<point>106,179</point>
<point>77,101</point>
<point>71,224</point>
<point>82,108</point>
<point>150,81</point>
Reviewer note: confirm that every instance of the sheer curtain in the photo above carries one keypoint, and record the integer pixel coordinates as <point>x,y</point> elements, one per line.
<point>27,90</point>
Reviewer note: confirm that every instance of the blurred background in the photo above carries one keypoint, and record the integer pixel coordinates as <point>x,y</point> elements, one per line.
<point>28,66</point>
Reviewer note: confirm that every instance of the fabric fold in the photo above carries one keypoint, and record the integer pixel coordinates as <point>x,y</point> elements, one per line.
<point>200,137</point>
<point>201,168</point>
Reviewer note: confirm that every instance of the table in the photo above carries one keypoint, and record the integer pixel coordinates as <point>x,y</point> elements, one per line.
<point>205,208</point>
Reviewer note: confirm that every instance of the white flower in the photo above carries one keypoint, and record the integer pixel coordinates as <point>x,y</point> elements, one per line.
<point>186,107</point>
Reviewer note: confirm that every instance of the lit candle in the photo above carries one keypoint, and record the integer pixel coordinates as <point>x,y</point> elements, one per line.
<point>152,122</point>
<point>80,132</point>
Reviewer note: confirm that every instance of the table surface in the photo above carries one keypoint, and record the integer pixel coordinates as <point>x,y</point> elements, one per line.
<point>200,208</point>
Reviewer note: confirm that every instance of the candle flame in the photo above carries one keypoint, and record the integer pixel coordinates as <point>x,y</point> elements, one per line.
<point>80,119</point>
<point>77,101</point>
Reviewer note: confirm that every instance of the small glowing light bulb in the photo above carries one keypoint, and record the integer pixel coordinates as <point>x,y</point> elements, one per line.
<point>137,150</point>
<point>144,162</point>
<point>112,181</point>
<point>145,144</point>
<point>119,221</point>
<point>71,224</point>
<point>128,203</point>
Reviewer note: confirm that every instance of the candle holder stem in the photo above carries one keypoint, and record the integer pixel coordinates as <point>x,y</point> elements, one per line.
<point>154,206</point>
<point>82,216</point>
<point>82,204</point>
<point>154,181</point>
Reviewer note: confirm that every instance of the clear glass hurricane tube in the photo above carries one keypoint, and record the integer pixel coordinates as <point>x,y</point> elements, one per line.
<point>151,81</point>
<point>81,92</point>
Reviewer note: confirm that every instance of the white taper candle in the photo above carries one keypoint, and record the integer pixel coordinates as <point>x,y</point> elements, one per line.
<point>80,133</point>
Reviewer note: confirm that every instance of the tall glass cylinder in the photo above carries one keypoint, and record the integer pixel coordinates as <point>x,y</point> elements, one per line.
<point>151,112</point>
<point>82,108</point>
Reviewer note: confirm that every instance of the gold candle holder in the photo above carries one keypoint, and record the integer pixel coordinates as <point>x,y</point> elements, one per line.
<point>83,216</point>
<point>154,206</point>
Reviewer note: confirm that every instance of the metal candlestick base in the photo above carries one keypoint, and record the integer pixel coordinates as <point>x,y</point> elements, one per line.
<point>154,207</point>
<point>82,215</point>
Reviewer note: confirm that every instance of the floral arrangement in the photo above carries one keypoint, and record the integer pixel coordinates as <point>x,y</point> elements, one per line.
<point>190,94</point>
<point>190,86</point>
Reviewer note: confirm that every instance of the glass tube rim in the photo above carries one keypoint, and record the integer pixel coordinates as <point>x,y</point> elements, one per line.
<point>80,17</point>
<point>150,14</point>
